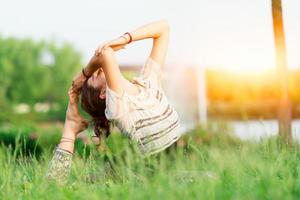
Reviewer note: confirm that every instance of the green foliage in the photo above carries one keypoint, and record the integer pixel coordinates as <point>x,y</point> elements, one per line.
<point>20,143</point>
<point>36,71</point>
<point>27,140</point>
<point>205,165</point>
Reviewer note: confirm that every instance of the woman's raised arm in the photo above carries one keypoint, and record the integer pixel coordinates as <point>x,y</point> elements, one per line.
<point>158,31</point>
<point>151,30</point>
<point>60,164</point>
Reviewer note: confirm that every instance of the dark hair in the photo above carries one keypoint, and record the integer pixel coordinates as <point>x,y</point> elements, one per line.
<point>95,107</point>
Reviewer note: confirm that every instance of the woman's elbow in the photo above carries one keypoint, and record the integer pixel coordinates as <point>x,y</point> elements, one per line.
<point>166,26</point>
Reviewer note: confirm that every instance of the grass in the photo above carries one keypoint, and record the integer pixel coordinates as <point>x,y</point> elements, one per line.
<point>204,166</point>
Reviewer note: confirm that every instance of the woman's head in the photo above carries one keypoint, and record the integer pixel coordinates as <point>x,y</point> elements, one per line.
<point>93,101</point>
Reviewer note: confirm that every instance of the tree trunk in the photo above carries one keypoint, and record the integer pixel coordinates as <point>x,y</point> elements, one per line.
<point>284,109</point>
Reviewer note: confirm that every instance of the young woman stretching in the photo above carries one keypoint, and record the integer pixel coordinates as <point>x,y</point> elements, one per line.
<point>139,108</point>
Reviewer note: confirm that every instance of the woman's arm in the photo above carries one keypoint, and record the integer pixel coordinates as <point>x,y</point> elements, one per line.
<point>158,31</point>
<point>151,30</point>
<point>60,164</point>
<point>89,69</point>
<point>94,63</point>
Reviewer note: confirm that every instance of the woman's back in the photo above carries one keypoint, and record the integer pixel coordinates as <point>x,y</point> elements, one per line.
<point>147,117</point>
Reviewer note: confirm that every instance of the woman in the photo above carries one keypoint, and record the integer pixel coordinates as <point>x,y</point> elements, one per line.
<point>139,108</point>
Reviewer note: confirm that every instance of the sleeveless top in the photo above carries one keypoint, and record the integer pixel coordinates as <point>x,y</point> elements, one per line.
<point>146,117</point>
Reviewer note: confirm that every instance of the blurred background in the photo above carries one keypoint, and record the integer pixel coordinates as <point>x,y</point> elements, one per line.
<point>220,67</point>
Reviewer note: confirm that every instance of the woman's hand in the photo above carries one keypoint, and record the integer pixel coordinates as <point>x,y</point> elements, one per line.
<point>115,44</point>
<point>74,123</point>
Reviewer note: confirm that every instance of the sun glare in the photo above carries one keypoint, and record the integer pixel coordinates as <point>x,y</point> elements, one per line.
<point>246,62</point>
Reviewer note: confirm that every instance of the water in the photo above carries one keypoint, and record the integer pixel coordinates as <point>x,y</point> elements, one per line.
<point>252,129</point>
<point>256,129</point>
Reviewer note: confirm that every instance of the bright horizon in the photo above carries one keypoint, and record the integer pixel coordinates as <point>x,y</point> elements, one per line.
<point>234,35</point>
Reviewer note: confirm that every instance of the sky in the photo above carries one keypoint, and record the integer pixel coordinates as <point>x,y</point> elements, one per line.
<point>232,34</point>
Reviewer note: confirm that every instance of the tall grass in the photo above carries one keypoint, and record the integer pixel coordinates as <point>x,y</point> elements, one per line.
<point>204,166</point>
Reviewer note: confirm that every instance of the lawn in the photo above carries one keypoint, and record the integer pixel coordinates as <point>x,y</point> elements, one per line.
<point>205,165</point>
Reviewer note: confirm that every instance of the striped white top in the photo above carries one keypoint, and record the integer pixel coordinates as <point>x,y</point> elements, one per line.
<point>147,117</point>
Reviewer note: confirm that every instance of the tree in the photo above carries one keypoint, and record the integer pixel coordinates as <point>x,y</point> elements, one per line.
<point>27,78</point>
<point>284,112</point>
